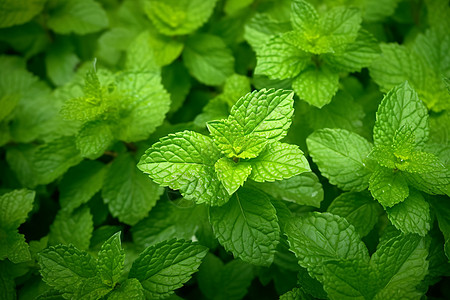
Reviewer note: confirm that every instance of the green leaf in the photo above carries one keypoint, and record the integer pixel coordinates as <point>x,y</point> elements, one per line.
<point>436,182</point>
<point>341,157</point>
<point>303,189</point>
<point>61,62</point>
<point>247,226</point>
<point>359,209</point>
<point>53,159</point>
<point>232,174</point>
<point>264,113</point>
<point>219,281</point>
<point>261,27</point>
<point>128,193</point>
<point>94,139</point>
<point>304,16</point>
<point>166,266</point>
<point>296,294</point>
<point>401,107</point>
<point>110,260</point>
<point>388,186</point>
<point>208,59</point>
<point>179,17</point>
<point>412,215</point>
<point>317,86</point>
<point>66,268</point>
<point>80,184</point>
<point>92,289</point>
<point>278,161</point>
<point>130,288</point>
<point>278,59</point>
<point>7,285</point>
<point>77,16</point>
<point>317,238</point>
<point>230,138</point>
<point>185,161</point>
<point>145,107</point>
<point>422,162</point>
<point>402,265</point>
<point>72,228</point>
<point>341,24</point>
<point>442,211</point>
<point>14,208</point>
<point>15,12</point>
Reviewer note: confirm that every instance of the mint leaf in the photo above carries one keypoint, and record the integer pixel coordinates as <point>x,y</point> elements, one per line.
<point>185,161</point>
<point>14,209</point>
<point>264,113</point>
<point>18,12</point>
<point>278,161</point>
<point>66,268</point>
<point>128,193</point>
<point>232,174</point>
<point>316,85</point>
<point>77,16</point>
<point>339,240</point>
<point>94,139</point>
<point>72,228</point>
<point>179,17</point>
<point>341,24</point>
<point>341,157</point>
<point>359,209</point>
<point>278,59</point>
<point>208,59</point>
<point>303,189</point>
<point>61,62</point>
<point>247,226</point>
<point>261,27</point>
<point>295,294</point>
<point>130,288</point>
<point>435,182</point>
<point>388,186</point>
<point>401,107</point>
<point>304,16</point>
<point>166,266</point>
<point>224,281</point>
<point>412,215</point>
<point>110,260</point>
<point>80,184</point>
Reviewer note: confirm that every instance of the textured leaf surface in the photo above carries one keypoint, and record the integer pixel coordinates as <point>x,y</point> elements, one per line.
<point>110,260</point>
<point>401,107</point>
<point>342,24</point>
<point>341,156</point>
<point>247,226</point>
<point>179,17</point>
<point>94,139</point>
<point>359,209</point>
<point>14,208</point>
<point>265,113</point>
<point>278,161</point>
<point>185,161</point>
<point>303,15</point>
<point>231,174</point>
<point>317,86</point>
<point>130,288</point>
<point>412,215</point>
<point>128,193</point>
<point>166,266</point>
<point>388,186</point>
<point>320,237</point>
<point>208,59</point>
<point>78,16</point>
<point>14,12</point>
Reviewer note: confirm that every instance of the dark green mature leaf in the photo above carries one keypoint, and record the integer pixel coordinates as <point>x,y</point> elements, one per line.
<point>131,289</point>
<point>166,266</point>
<point>110,260</point>
<point>247,226</point>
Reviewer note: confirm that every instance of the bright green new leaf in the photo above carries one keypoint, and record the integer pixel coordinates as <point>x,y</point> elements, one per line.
<point>401,107</point>
<point>412,215</point>
<point>94,138</point>
<point>265,113</point>
<point>129,289</point>
<point>185,161</point>
<point>316,85</point>
<point>77,16</point>
<point>166,266</point>
<point>247,226</point>
<point>320,237</point>
<point>278,59</point>
<point>341,157</point>
<point>110,260</point>
<point>359,209</point>
<point>436,182</point>
<point>232,174</point>
<point>278,161</point>
<point>128,193</point>
<point>208,59</point>
<point>15,12</point>
<point>341,24</point>
<point>72,228</point>
<point>179,17</point>
<point>388,186</point>
<point>304,16</point>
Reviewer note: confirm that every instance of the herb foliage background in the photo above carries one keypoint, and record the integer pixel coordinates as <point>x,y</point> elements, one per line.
<point>224,149</point>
